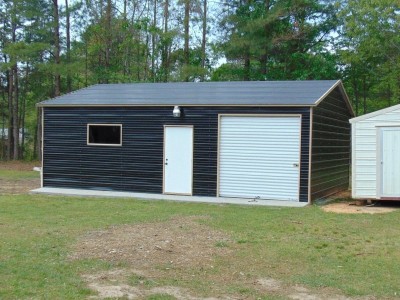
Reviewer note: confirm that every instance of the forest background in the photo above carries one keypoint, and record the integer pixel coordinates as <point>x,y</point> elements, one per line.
<point>52,47</point>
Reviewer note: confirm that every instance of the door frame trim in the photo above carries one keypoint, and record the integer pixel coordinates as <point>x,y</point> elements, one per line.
<point>297,115</point>
<point>163,162</point>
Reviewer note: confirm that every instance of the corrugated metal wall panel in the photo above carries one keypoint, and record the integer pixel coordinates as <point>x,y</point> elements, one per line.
<point>137,164</point>
<point>257,157</point>
<point>365,153</point>
<point>330,167</point>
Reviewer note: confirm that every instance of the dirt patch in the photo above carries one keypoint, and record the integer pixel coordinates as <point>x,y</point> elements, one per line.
<point>178,250</point>
<point>113,284</point>
<point>18,186</point>
<point>19,165</point>
<point>352,208</point>
<point>178,243</point>
<point>173,258</point>
<point>347,205</point>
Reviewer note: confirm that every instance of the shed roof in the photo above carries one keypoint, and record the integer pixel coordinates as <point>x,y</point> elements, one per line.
<point>375,113</point>
<point>268,93</point>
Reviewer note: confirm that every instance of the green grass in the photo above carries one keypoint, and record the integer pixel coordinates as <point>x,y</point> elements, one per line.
<point>355,254</point>
<point>18,175</point>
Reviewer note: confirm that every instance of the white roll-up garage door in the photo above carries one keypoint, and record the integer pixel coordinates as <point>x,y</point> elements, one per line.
<point>259,156</point>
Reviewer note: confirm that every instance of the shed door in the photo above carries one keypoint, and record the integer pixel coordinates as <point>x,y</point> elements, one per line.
<point>259,156</point>
<point>178,159</point>
<point>390,162</point>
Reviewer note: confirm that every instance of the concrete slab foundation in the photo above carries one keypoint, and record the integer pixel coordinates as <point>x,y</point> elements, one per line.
<point>214,200</point>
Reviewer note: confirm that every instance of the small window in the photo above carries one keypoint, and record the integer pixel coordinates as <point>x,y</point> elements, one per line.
<point>104,134</point>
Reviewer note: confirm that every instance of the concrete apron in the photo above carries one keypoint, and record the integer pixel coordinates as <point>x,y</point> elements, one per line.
<point>198,199</point>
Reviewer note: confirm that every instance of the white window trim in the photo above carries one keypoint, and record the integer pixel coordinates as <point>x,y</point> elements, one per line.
<point>97,144</point>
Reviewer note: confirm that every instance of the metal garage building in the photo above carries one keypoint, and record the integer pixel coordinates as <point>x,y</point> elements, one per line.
<point>376,155</point>
<point>281,140</point>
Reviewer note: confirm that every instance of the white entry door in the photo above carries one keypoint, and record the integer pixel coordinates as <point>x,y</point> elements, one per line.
<point>259,157</point>
<point>178,159</point>
<point>389,162</point>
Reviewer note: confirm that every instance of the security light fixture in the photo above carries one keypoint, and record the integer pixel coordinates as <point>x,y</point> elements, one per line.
<point>176,112</point>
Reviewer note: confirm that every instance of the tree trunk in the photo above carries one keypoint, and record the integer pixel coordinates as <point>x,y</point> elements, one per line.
<point>146,50</point>
<point>23,112</point>
<point>3,125</point>
<point>186,47</point>
<point>57,50</point>
<point>138,58</point>
<point>38,134</point>
<point>13,132</point>
<point>86,64</point>
<point>264,57</point>
<point>203,41</point>
<point>35,136</point>
<point>365,94</point>
<point>10,141</point>
<point>68,54</point>
<point>15,113</point>
<point>165,50</point>
<point>12,151</point>
<point>355,88</point>
<point>108,38</point>
<point>153,42</point>
<point>246,75</point>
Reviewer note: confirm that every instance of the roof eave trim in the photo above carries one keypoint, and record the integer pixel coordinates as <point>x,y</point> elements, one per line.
<point>339,84</point>
<point>375,113</point>
<point>171,105</point>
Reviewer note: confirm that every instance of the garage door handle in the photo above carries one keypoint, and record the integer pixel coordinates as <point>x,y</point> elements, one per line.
<point>295,165</point>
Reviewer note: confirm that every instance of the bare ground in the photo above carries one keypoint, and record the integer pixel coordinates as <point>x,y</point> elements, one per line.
<point>163,258</point>
<point>113,284</point>
<point>18,186</point>
<point>348,206</point>
<point>353,208</point>
<point>176,244</point>
<point>17,165</point>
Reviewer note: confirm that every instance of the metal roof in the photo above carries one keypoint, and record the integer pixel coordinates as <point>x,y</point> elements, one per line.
<point>375,113</point>
<point>249,93</point>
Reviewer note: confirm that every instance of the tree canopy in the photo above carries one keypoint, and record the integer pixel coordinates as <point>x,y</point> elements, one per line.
<point>48,48</point>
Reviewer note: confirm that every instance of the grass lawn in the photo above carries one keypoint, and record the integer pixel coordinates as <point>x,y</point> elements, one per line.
<point>297,250</point>
<point>18,175</point>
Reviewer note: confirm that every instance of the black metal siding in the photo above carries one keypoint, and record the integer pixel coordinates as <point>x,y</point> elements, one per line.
<point>331,152</point>
<point>137,165</point>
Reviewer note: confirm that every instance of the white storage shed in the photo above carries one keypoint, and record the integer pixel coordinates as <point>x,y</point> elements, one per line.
<point>376,155</point>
